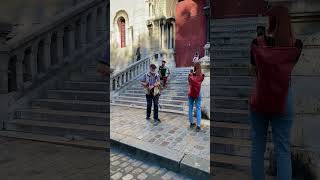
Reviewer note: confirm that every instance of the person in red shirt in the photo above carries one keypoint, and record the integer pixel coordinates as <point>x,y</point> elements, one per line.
<point>194,95</point>
<point>273,58</point>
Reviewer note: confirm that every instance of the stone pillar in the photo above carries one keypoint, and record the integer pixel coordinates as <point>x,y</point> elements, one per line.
<point>83,31</point>
<point>205,87</point>
<point>19,69</point>
<point>5,57</point>
<point>60,46</point>
<point>47,52</point>
<point>94,25</point>
<point>33,61</point>
<point>173,34</point>
<point>162,37</point>
<point>72,41</point>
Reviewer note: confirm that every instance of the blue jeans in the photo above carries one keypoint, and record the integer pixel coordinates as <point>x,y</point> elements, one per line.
<point>197,102</point>
<point>281,134</point>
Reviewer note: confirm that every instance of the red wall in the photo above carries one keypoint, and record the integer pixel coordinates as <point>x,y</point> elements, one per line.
<point>190,31</point>
<point>236,8</point>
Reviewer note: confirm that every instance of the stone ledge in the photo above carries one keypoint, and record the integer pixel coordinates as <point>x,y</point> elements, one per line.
<point>186,164</point>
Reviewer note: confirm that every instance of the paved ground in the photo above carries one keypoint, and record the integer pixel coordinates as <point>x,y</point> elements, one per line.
<point>125,167</point>
<point>29,160</point>
<point>173,132</point>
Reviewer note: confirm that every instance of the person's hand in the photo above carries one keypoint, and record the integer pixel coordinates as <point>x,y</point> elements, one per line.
<point>150,87</point>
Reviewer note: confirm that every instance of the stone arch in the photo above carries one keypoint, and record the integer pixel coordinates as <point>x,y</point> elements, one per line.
<point>12,74</point>
<point>40,57</point>
<point>123,16</point>
<point>54,49</point>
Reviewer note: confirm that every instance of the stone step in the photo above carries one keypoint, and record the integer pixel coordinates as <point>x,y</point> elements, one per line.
<point>58,129</point>
<point>85,86</point>
<point>233,130</point>
<point>230,53</point>
<point>79,95</point>
<point>168,97</point>
<point>72,105</point>
<point>231,42</point>
<point>161,101</point>
<point>238,21</point>
<point>235,147</point>
<point>250,29</point>
<point>232,80</point>
<point>170,87</point>
<point>160,110</point>
<point>233,91</point>
<point>144,104</point>
<point>230,115</point>
<point>90,118</point>
<point>230,102</point>
<point>83,143</point>
<point>87,77</point>
<point>230,62</point>
<point>231,71</point>
<point>166,92</point>
<point>249,36</point>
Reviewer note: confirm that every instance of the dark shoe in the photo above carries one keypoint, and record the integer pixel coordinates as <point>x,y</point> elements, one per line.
<point>148,118</point>
<point>192,125</point>
<point>157,120</point>
<point>198,129</point>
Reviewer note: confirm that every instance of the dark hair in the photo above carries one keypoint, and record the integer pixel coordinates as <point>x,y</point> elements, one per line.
<point>153,66</point>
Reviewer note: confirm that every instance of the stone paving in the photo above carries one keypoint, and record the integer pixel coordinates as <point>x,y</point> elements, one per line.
<point>29,160</point>
<point>125,167</point>
<point>172,133</point>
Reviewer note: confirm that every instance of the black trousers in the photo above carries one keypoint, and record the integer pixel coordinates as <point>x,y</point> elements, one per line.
<point>155,99</point>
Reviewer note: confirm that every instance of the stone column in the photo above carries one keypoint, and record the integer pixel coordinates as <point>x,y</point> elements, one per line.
<point>72,41</point>
<point>162,37</point>
<point>47,52</point>
<point>19,69</point>
<point>83,31</point>
<point>94,25</point>
<point>33,61</point>
<point>173,34</point>
<point>60,46</point>
<point>5,57</point>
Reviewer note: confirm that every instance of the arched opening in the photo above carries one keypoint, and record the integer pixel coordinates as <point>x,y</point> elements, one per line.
<point>40,58</point>
<point>89,29</point>
<point>54,50</point>
<point>65,39</point>
<point>122,31</point>
<point>27,74</point>
<point>12,74</point>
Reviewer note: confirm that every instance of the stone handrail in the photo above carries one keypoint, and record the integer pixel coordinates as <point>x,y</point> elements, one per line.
<point>30,56</point>
<point>122,78</point>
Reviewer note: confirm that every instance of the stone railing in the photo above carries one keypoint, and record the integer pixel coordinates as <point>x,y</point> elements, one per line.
<point>133,71</point>
<point>29,57</point>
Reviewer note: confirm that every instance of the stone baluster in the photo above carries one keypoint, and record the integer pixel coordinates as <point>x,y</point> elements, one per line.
<point>33,61</point>
<point>19,69</point>
<point>93,25</point>
<point>47,52</point>
<point>72,47</point>
<point>60,46</point>
<point>4,56</point>
<point>83,24</point>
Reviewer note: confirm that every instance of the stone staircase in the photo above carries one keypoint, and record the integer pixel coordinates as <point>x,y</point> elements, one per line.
<point>230,89</point>
<point>74,112</point>
<point>173,99</point>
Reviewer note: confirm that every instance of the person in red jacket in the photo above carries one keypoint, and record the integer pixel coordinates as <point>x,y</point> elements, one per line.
<point>273,58</point>
<point>194,95</point>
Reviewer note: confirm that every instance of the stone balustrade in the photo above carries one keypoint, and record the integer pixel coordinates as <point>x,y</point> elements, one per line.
<point>31,55</point>
<point>129,74</point>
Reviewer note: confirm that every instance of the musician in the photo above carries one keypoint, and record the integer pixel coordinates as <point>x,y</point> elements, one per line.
<point>151,83</point>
